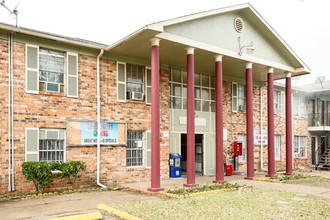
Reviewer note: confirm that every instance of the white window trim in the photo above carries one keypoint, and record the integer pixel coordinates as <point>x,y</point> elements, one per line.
<point>121,82</point>
<point>299,140</point>
<point>279,147</point>
<point>74,76</point>
<point>146,84</point>
<point>58,130</point>
<point>32,69</point>
<point>26,150</point>
<point>143,151</point>
<point>146,150</point>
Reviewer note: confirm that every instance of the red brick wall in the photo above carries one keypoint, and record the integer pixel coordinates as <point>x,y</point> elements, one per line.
<point>49,110</point>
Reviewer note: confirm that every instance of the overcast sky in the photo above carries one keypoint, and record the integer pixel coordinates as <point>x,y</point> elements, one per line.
<point>303,24</point>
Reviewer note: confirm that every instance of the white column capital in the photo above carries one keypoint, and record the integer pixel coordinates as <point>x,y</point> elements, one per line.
<point>288,74</point>
<point>249,65</point>
<point>218,57</point>
<point>270,69</point>
<point>190,50</point>
<point>154,41</point>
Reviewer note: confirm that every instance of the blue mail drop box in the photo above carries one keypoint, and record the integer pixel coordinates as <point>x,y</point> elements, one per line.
<point>175,165</point>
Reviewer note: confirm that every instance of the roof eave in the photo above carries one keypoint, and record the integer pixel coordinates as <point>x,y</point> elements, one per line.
<point>50,36</point>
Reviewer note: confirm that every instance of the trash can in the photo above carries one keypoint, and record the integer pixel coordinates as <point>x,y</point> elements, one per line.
<point>175,163</point>
<point>229,170</point>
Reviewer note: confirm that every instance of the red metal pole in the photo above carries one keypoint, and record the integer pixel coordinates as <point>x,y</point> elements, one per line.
<point>219,120</point>
<point>190,119</point>
<point>271,132</point>
<point>249,122</point>
<point>155,118</point>
<point>288,116</point>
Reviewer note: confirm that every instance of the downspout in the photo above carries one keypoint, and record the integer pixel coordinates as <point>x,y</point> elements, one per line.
<point>9,112</point>
<point>98,120</point>
<point>12,113</point>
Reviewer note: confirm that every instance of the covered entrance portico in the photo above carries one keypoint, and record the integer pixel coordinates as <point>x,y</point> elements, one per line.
<point>212,42</point>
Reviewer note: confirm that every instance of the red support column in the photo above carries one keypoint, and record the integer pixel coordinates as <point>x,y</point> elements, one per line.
<point>190,119</point>
<point>155,118</point>
<point>249,122</point>
<point>288,124</point>
<point>219,120</point>
<point>271,132</point>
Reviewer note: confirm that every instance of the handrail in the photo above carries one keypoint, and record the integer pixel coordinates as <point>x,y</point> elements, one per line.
<point>318,119</point>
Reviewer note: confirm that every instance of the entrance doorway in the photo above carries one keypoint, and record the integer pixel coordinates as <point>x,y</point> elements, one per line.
<point>314,151</point>
<point>199,153</point>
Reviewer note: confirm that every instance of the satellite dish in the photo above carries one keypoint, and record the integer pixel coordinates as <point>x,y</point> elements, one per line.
<point>14,12</point>
<point>320,80</point>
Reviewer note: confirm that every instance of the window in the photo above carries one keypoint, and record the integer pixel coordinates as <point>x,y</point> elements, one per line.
<point>131,82</point>
<point>277,145</point>
<point>238,97</point>
<point>134,150</point>
<point>204,91</point>
<point>51,145</point>
<point>45,145</point>
<point>279,100</point>
<point>299,106</point>
<point>300,146</point>
<point>242,138</point>
<point>51,71</point>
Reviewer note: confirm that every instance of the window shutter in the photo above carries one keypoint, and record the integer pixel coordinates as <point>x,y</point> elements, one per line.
<point>31,144</point>
<point>234,95</point>
<point>32,69</point>
<point>72,75</point>
<point>282,104</point>
<point>148,85</point>
<point>121,82</point>
<point>148,149</point>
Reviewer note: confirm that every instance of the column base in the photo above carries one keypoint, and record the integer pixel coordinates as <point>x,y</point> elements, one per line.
<point>289,174</point>
<point>219,181</point>
<point>190,184</point>
<point>155,189</point>
<point>248,178</point>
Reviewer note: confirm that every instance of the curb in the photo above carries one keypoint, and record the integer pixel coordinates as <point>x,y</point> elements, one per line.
<point>89,216</point>
<point>120,214</point>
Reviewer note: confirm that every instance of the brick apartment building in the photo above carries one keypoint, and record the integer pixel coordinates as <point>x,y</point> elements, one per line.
<point>215,73</point>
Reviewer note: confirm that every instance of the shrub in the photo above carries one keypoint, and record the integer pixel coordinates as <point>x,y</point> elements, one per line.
<point>71,170</point>
<point>41,172</point>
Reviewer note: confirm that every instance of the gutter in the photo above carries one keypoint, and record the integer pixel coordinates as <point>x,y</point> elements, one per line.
<point>98,121</point>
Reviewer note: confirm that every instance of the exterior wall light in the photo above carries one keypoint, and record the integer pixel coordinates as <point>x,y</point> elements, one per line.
<point>249,48</point>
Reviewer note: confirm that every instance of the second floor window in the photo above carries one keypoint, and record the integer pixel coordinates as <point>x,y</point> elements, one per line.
<point>238,97</point>
<point>51,71</point>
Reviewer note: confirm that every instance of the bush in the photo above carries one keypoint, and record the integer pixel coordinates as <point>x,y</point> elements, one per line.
<point>71,170</point>
<point>41,172</point>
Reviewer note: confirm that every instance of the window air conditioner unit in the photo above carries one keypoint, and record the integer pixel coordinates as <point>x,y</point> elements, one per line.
<point>241,108</point>
<point>136,95</point>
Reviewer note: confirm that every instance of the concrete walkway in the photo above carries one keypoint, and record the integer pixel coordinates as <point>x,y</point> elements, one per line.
<point>80,203</point>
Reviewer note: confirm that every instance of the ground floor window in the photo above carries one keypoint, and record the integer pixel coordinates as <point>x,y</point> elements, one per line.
<point>45,145</point>
<point>134,150</point>
<point>51,145</point>
<point>277,145</point>
<point>300,143</point>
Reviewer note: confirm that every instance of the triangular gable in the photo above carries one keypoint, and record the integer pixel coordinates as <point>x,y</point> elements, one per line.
<point>216,29</point>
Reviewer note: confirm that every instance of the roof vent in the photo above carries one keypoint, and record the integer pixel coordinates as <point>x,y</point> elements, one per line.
<point>239,24</point>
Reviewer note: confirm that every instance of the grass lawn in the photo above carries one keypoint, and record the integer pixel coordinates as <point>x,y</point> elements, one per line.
<point>242,204</point>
